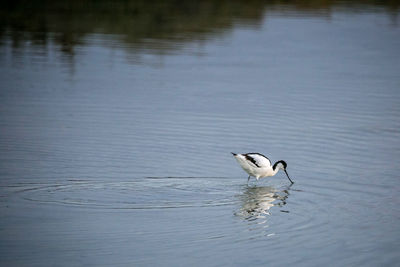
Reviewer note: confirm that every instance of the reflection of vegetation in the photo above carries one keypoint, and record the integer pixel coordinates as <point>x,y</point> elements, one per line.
<point>134,21</point>
<point>68,22</point>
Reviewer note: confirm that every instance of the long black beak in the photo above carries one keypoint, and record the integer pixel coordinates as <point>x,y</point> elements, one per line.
<point>288,177</point>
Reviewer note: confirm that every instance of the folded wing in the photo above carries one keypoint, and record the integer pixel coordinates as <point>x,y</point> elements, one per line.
<point>258,160</point>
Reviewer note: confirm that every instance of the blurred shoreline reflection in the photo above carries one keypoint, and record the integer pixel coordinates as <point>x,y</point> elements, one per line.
<point>156,26</point>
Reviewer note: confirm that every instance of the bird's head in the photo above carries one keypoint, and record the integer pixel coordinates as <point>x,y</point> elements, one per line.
<point>282,165</point>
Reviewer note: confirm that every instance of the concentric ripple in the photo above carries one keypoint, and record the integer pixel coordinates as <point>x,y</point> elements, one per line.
<point>144,193</point>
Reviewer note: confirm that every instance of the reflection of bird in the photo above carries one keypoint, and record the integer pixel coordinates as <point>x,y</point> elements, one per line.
<point>256,201</point>
<point>259,166</point>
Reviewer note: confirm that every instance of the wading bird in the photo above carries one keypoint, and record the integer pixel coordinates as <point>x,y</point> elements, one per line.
<point>259,166</point>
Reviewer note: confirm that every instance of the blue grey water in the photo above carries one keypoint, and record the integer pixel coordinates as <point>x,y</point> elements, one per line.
<point>116,151</point>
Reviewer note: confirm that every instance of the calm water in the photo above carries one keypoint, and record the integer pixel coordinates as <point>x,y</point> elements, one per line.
<point>117,122</point>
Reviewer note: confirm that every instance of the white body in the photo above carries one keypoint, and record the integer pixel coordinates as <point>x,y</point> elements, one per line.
<point>256,165</point>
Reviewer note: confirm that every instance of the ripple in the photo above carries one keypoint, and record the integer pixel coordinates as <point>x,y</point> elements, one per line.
<point>147,193</point>
<point>257,206</point>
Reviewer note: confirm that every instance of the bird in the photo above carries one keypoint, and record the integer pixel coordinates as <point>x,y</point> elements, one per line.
<point>259,166</point>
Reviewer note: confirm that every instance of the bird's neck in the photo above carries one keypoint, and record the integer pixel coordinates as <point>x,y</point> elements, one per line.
<point>275,171</point>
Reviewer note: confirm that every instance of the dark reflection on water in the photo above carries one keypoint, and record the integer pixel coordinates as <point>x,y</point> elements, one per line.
<point>158,26</point>
<point>150,25</point>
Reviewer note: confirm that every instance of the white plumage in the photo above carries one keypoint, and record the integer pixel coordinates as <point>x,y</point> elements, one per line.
<point>259,166</point>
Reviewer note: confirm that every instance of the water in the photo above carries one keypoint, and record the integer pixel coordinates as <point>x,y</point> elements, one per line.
<point>116,133</point>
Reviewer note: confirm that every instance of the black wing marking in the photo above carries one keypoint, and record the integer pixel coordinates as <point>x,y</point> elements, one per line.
<point>258,159</point>
<point>249,158</point>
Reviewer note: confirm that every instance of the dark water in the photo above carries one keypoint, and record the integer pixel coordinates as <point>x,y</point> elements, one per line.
<point>117,120</point>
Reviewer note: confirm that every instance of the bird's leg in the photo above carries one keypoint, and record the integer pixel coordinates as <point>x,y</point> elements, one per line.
<point>248,179</point>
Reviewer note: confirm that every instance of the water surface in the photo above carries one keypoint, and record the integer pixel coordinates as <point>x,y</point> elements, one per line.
<point>116,130</point>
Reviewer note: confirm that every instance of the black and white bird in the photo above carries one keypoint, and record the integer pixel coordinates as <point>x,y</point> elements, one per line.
<point>259,166</point>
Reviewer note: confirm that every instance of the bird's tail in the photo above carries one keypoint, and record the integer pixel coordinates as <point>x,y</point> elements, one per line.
<point>234,154</point>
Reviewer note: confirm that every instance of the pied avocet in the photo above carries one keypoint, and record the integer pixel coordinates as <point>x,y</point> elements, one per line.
<point>259,166</point>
